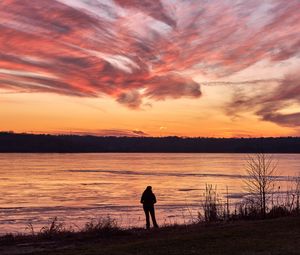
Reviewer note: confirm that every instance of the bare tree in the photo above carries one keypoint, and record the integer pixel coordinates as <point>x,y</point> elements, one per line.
<point>260,169</point>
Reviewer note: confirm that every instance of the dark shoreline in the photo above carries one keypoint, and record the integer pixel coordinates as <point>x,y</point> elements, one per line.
<point>45,143</point>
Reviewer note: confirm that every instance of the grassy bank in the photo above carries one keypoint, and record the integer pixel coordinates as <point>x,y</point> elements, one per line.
<point>273,236</point>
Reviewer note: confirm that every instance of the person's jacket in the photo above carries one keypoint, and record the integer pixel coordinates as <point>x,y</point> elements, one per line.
<point>148,199</point>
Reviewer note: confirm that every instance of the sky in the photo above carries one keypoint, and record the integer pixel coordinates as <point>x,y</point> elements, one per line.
<point>209,68</point>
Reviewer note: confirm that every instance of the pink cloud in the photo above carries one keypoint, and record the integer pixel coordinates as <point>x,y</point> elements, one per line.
<point>172,86</point>
<point>136,50</point>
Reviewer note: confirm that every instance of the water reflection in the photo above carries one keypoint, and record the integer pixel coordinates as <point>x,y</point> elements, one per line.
<point>77,187</point>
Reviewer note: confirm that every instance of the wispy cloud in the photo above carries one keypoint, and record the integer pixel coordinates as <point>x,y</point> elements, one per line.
<point>105,132</point>
<point>134,50</point>
<point>270,102</point>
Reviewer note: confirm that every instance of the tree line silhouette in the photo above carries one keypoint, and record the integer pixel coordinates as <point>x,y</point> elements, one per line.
<point>24,142</point>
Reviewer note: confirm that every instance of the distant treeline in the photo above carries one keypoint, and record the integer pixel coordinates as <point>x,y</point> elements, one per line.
<point>12,142</point>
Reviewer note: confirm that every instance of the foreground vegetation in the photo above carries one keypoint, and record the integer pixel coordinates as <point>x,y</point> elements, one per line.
<point>271,236</point>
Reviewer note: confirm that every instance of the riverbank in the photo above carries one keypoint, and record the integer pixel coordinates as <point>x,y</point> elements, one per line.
<point>273,236</point>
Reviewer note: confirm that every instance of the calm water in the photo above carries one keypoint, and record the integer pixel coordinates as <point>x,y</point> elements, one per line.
<point>79,187</point>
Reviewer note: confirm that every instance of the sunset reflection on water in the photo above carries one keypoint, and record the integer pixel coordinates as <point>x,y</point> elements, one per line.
<point>78,187</point>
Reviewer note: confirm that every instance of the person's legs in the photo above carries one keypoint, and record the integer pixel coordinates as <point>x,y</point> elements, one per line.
<point>146,210</point>
<point>152,212</point>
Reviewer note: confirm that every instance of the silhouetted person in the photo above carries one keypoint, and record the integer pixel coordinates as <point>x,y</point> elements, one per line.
<point>148,200</point>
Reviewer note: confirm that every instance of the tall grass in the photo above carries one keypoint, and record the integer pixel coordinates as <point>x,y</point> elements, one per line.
<point>211,203</point>
<point>213,206</point>
<point>216,207</point>
<point>104,226</point>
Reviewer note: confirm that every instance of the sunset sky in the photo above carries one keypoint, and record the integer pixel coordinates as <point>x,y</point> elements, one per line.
<point>213,68</point>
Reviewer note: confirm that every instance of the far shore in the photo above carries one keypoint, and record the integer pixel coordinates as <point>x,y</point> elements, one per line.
<point>45,143</point>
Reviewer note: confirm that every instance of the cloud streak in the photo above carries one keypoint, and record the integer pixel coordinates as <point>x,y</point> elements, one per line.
<point>134,51</point>
<point>270,103</point>
<point>104,132</point>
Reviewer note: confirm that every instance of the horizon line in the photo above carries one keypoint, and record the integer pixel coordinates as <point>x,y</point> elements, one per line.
<point>138,136</point>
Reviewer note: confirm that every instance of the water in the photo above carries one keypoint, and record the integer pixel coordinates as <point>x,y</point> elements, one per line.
<point>78,187</point>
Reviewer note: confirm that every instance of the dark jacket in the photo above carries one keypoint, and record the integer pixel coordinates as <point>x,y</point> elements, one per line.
<point>148,198</point>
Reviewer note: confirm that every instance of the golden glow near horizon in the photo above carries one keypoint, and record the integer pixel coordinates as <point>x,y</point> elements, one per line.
<point>161,69</point>
<point>50,113</point>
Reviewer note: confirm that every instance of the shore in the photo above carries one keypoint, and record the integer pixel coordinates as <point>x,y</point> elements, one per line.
<point>273,236</point>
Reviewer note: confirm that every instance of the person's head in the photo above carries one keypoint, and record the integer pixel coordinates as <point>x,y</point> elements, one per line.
<point>149,188</point>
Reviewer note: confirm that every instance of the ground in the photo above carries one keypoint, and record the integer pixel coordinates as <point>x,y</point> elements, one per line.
<point>276,236</point>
